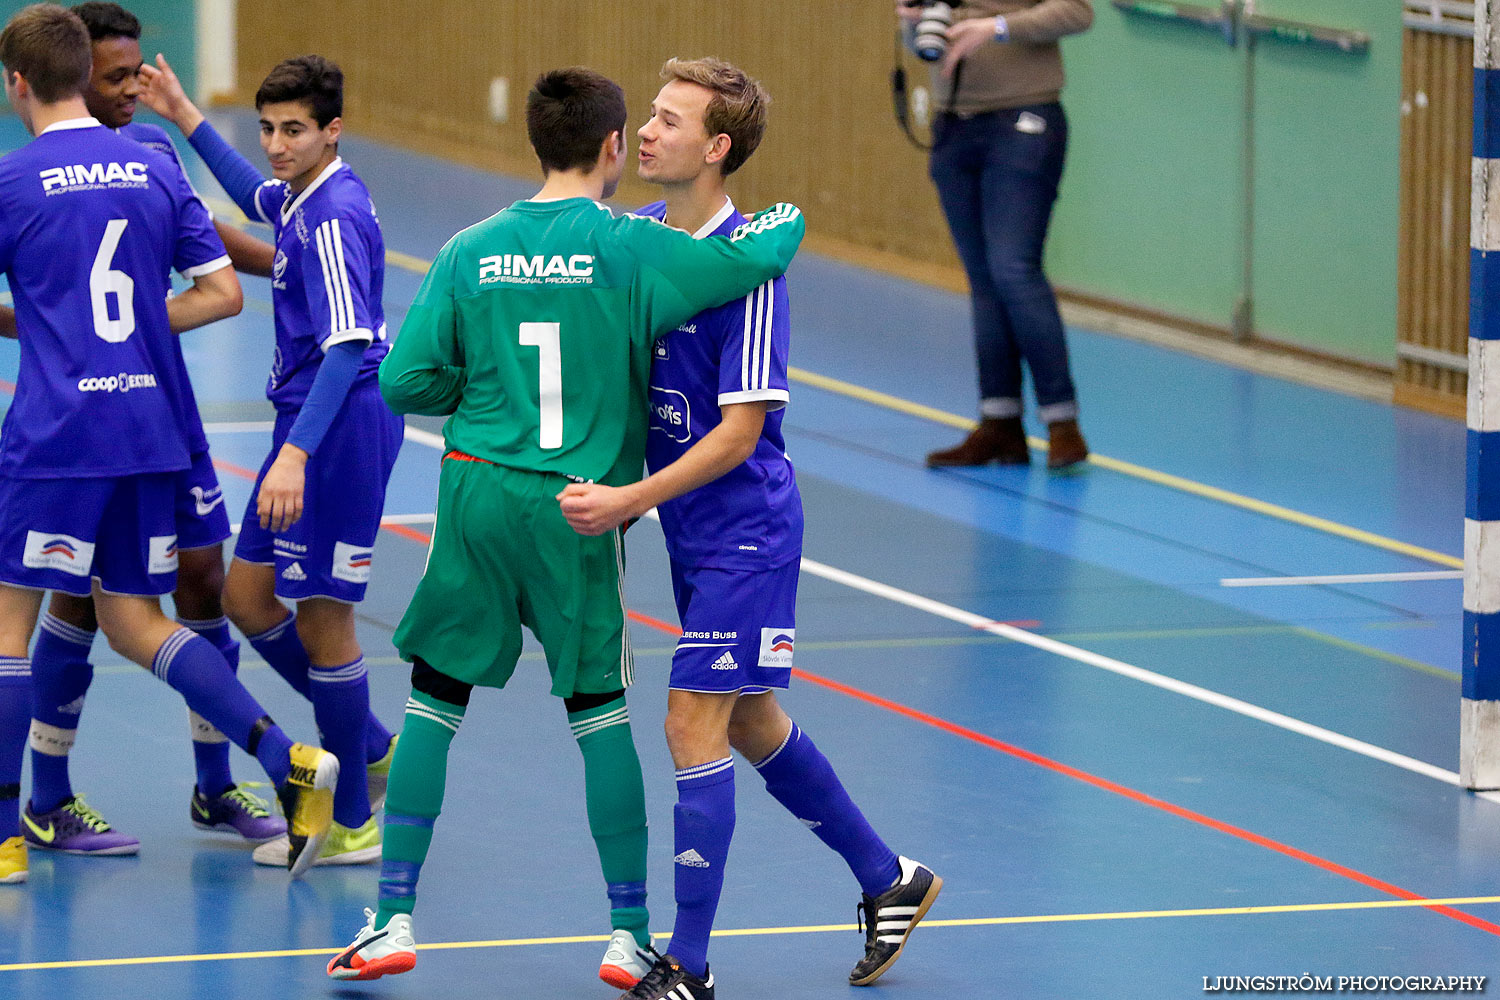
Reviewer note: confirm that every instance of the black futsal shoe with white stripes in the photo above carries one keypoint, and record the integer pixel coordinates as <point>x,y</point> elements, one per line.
<point>888,919</point>
<point>668,980</point>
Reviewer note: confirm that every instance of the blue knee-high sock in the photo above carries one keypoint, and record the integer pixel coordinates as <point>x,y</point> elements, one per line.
<point>703,825</point>
<point>341,703</point>
<point>192,667</point>
<point>800,778</point>
<point>60,677</point>
<point>282,648</point>
<point>210,747</point>
<point>15,717</point>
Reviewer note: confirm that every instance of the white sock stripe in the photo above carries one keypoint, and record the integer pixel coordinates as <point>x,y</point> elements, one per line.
<point>613,718</point>
<point>454,717</point>
<point>161,663</point>
<point>15,666</point>
<point>705,770</point>
<point>275,631</point>
<point>580,731</point>
<point>334,675</point>
<point>67,632</point>
<point>421,712</point>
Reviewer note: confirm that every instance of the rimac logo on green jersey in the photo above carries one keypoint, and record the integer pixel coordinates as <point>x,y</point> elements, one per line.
<point>515,268</point>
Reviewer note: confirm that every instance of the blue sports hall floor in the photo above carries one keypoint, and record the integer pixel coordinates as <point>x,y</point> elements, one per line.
<point>1131,775</point>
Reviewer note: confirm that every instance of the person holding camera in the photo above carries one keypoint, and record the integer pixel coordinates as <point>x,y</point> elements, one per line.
<point>999,138</point>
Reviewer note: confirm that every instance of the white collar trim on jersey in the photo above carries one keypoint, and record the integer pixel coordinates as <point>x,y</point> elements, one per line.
<point>328,171</point>
<point>72,123</point>
<point>707,229</point>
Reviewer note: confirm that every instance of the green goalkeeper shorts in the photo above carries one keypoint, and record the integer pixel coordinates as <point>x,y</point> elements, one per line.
<point>502,557</point>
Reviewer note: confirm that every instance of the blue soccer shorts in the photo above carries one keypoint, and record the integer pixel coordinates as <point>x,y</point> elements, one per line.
<point>738,628</point>
<point>62,534</point>
<point>328,551</point>
<point>201,518</point>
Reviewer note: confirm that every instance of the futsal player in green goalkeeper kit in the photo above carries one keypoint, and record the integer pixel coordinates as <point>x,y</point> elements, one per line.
<point>534,330</point>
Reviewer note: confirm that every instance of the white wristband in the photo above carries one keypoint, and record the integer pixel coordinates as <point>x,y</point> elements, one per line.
<point>1002,30</point>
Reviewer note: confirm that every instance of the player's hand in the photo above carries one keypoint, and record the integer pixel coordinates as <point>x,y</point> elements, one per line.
<point>911,13</point>
<point>591,509</point>
<point>964,37</point>
<point>162,92</point>
<point>279,502</point>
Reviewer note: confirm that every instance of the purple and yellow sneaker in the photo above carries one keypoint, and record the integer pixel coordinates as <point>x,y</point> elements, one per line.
<point>75,828</point>
<point>235,810</point>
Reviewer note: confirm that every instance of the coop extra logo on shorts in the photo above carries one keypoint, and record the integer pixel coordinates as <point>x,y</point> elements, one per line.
<point>123,382</point>
<point>54,550</point>
<point>776,646</point>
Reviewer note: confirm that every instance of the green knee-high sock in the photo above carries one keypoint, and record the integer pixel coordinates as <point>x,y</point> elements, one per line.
<point>616,799</point>
<point>414,798</point>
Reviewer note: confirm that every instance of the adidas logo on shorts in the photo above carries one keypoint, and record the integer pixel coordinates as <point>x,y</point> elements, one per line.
<point>293,572</point>
<point>725,662</point>
<point>690,857</point>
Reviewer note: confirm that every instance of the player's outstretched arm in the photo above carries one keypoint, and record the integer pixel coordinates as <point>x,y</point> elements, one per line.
<point>424,371</point>
<point>685,276</point>
<point>162,92</point>
<point>212,297</point>
<point>592,509</point>
<point>248,254</point>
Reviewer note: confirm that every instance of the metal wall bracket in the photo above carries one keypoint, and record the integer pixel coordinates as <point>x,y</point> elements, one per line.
<point>1222,19</point>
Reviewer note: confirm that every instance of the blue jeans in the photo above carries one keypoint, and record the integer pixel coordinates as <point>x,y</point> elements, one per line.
<point>997,175</point>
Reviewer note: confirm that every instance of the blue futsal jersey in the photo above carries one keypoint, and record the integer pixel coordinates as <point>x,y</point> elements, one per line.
<point>751,517</point>
<point>90,225</point>
<point>155,138</point>
<point>327,280</point>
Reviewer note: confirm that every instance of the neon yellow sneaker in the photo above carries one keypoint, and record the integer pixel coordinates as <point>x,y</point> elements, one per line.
<point>344,846</point>
<point>13,861</point>
<point>307,802</point>
<point>378,775</point>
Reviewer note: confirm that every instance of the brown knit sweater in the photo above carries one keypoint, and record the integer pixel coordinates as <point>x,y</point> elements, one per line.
<point>1028,68</point>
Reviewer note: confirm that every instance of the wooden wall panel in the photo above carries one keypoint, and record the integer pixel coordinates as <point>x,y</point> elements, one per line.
<point>419,75</point>
<point>1433,275</point>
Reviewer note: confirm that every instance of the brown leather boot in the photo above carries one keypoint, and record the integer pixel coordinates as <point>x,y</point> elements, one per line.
<point>995,440</point>
<point>1066,446</point>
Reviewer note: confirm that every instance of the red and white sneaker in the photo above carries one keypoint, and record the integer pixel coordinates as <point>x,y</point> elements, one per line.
<point>624,962</point>
<point>374,953</point>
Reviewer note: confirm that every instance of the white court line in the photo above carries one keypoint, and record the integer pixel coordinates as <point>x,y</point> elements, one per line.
<point>1311,581</point>
<point>1204,695</point>
<point>234,529</point>
<point>242,427</point>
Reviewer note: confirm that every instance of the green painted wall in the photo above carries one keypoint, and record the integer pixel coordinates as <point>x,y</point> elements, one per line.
<point>1153,203</point>
<point>167,26</point>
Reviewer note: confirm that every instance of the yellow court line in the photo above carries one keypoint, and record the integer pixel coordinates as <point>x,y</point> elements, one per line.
<point>1045,918</point>
<point>1138,471</point>
<point>906,406</point>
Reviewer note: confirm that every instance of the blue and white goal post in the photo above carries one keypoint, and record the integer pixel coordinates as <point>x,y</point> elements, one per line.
<point>1479,731</point>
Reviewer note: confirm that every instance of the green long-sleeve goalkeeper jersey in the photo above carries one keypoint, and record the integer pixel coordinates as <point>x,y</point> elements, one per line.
<point>534,329</point>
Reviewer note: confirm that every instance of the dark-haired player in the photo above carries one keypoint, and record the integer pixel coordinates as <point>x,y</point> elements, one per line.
<point>310,529</point>
<point>60,668</point>
<point>534,329</point>
<point>97,436</point>
<point>732,517</point>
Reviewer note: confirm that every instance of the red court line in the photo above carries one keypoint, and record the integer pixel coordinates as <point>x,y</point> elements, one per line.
<point>7,387</point>
<point>1058,767</point>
